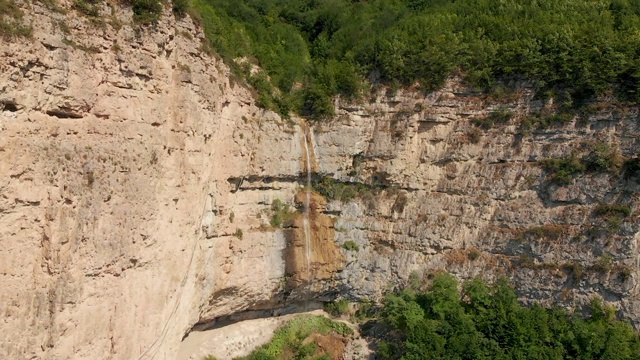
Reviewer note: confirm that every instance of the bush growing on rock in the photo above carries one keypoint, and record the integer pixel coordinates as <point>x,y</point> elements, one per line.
<point>180,7</point>
<point>281,213</point>
<point>563,170</point>
<point>10,21</point>
<point>603,158</point>
<point>548,232</point>
<point>612,210</point>
<point>498,117</point>
<point>350,245</point>
<point>542,120</point>
<point>87,7</point>
<point>337,308</point>
<point>146,11</point>
<point>631,167</point>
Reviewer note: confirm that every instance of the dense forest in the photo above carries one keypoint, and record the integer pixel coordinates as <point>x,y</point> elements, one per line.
<point>311,50</point>
<point>487,322</point>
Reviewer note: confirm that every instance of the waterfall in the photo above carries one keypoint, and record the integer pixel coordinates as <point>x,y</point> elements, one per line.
<point>305,220</point>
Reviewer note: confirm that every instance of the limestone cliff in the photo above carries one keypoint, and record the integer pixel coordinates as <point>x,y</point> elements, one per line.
<point>478,202</point>
<point>124,216</point>
<point>138,180</point>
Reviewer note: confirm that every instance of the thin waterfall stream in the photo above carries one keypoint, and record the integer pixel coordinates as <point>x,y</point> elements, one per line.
<point>305,220</point>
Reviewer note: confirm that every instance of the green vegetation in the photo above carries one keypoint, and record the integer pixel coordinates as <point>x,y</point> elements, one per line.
<point>52,5</point>
<point>238,234</point>
<point>289,339</point>
<point>146,11</point>
<point>88,7</point>
<point>487,322</point>
<point>529,262</point>
<point>364,311</point>
<point>614,215</point>
<point>576,270</point>
<point>311,50</point>
<point>548,232</point>
<point>544,119</point>
<point>563,170</point>
<point>282,213</point>
<point>603,158</point>
<point>350,245</point>
<point>180,7</point>
<point>604,263</point>
<point>474,135</point>
<point>11,21</point>
<point>337,190</point>
<point>89,49</point>
<point>337,308</point>
<point>612,210</point>
<point>494,118</point>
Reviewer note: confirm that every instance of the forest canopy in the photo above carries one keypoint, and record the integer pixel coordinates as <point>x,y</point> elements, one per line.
<point>311,50</point>
<point>487,322</point>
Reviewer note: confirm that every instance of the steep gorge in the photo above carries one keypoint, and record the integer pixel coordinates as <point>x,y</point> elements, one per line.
<point>139,177</point>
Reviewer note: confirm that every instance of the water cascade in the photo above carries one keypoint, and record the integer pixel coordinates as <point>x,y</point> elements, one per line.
<point>305,220</point>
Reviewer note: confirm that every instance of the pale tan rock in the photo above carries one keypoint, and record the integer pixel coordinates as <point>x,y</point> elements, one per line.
<point>480,196</point>
<point>115,205</point>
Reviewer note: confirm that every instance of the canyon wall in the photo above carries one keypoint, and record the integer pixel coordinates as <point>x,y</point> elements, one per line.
<point>447,192</point>
<point>119,225</point>
<point>140,183</point>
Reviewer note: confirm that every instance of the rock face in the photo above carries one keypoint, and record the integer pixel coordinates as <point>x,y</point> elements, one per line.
<point>138,180</point>
<point>317,268</point>
<point>447,195</point>
<point>125,217</point>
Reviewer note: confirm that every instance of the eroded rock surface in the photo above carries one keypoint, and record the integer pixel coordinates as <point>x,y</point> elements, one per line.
<point>125,217</point>
<point>477,202</point>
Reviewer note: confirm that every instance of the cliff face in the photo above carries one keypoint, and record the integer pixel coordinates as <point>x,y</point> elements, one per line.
<point>119,226</point>
<point>473,202</point>
<point>139,187</point>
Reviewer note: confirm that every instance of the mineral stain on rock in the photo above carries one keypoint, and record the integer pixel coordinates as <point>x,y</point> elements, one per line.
<point>326,259</point>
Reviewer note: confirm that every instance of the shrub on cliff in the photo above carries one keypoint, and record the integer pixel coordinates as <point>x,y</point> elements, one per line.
<point>612,210</point>
<point>87,7</point>
<point>146,11</point>
<point>337,308</point>
<point>631,167</point>
<point>613,214</point>
<point>281,213</point>
<point>180,7</point>
<point>604,158</point>
<point>336,190</point>
<point>10,21</point>
<point>563,170</point>
<point>350,245</point>
<point>498,117</point>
